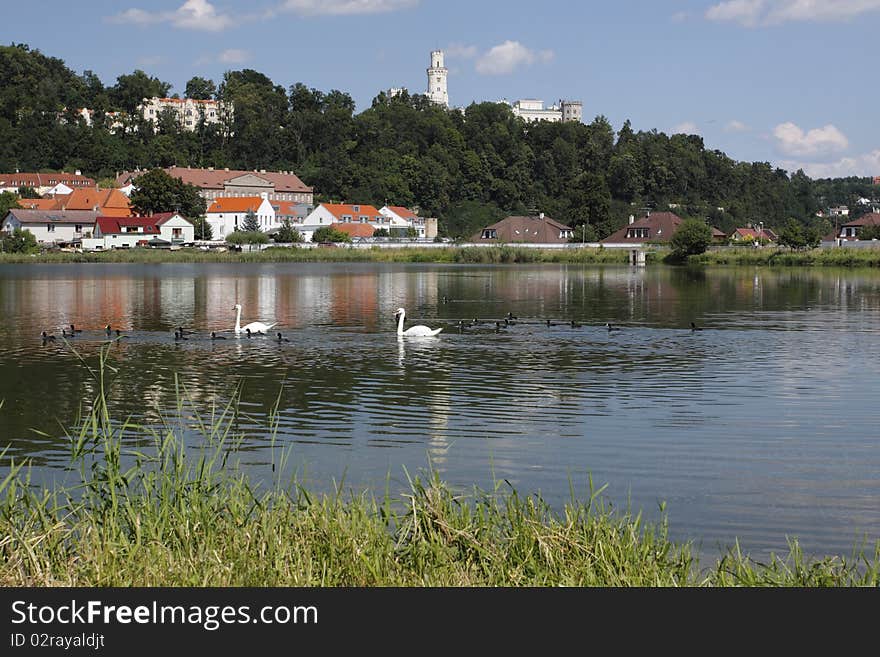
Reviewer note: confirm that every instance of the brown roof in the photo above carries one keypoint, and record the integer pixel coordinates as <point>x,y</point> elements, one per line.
<point>871,219</point>
<point>44,180</point>
<point>661,226</point>
<point>106,201</point>
<point>217,178</point>
<point>535,230</point>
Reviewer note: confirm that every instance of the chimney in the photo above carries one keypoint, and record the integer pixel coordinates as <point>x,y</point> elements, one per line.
<point>541,215</point>
<point>78,172</point>
<point>631,218</point>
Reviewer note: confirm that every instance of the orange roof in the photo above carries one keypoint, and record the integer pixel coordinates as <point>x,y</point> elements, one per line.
<point>402,212</point>
<point>38,203</point>
<point>236,204</point>
<point>355,230</point>
<point>340,210</point>
<point>92,198</point>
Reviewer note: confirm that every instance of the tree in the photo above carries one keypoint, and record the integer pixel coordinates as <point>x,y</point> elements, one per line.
<point>8,201</point>
<point>584,233</point>
<point>28,192</point>
<point>380,232</point>
<point>330,234</point>
<point>130,90</point>
<point>199,88</point>
<point>792,235</point>
<point>156,191</point>
<point>692,238</point>
<point>287,234</point>
<point>203,230</point>
<point>871,232</point>
<point>251,224</point>
<point>18,241</point>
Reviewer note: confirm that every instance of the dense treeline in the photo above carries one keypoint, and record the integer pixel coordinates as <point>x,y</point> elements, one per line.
<point>467,167</point>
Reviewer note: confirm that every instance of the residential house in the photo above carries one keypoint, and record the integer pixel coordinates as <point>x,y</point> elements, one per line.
<point>426,227</point>
<point>538,229</point>
<point>226,183</point>
<point>42,182</point>
<point>850,230</point>
<point>295,212</point>
<point>654,227</point>
<point>838,211</point>
<point>327,214</point>
<point>227,215</point>
<point>187,112</point>
<point>52,226</point>
<point>752,235</point>
<point>107,202</point>
<point>161,229</point>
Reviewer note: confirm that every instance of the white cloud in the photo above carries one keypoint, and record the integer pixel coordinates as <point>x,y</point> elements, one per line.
<point>819,142</point>
<point>508,56</point>
<point>867,164</point>
<point>191,15</point>
<point>736,126</point>
<point>234,56</point>
<point>751,13</point>
<point>345,7</point>
<point>459,50</point>
<point>686,128</point>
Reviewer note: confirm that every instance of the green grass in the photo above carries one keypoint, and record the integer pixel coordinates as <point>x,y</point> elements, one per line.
<point>493,254</point>
<point>828,257</point>
<point>164,515</point>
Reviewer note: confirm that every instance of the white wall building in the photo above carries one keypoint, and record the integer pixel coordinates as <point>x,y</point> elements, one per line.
<point>532,109</point>
<point>51,226</point>
<point>437,75</point>
<point>187,111</point>
<point>227,215</point>
<point>402,217</point>
<point>128,232</point>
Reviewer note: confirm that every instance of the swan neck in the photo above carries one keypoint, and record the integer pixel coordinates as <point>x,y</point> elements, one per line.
<point>238,320</point>
<point>400,324</point>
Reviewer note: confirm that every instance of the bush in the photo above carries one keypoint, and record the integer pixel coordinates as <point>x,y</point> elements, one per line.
<point>287,234</point>
<point>19,241</point>
<point>381,232</point>
<point>330,234</point>
<point>247,237</point>
<point>693,237</point>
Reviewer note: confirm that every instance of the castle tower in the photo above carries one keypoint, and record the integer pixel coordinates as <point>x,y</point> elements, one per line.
<point>437,79</point>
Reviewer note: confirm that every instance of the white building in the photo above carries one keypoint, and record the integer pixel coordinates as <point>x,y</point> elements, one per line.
<point>532,109</point>
<point>402,217</point>
<point>187,111</point>
<point>227,215</point>
<point>43,183</point>
<point>437,74</point>
<point>327,214</point>
<point>52,226</point>
<point>165,229</point>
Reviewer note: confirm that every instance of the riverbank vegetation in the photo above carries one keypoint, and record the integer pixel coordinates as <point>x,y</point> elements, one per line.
<point>480,255</point>
<point>770,257</point>
<point>140,509</point>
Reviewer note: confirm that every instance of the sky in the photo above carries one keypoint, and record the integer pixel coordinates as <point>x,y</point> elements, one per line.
<point>790,82</point>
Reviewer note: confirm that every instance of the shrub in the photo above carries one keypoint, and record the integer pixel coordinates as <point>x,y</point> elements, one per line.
<point>19,241</point>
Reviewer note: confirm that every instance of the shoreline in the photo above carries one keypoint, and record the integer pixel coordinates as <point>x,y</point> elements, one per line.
<point>502,254</point>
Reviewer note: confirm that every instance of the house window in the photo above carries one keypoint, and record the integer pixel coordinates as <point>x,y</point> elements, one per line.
<point>364,219</point>
<point>490,234</point>
<point>177,233</point>
<point>50,228</point>
<point>77,228</point>
<point>357,208</point>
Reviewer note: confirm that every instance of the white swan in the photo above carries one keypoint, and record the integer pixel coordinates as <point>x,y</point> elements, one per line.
<point>416,331</point>
<point>255,327</point>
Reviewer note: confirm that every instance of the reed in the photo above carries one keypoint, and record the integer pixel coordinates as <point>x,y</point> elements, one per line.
<point>827,257</point>
<point>144,509</point>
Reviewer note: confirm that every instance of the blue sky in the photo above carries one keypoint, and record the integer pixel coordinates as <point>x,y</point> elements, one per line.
<point>791,82</point>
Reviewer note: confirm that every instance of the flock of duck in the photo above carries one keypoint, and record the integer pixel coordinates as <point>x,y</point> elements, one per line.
<point>261,328</point>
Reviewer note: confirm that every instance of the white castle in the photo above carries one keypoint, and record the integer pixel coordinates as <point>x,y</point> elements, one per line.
<point>437,73</point>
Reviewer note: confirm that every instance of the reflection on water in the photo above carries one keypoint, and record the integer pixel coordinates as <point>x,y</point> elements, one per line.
<point>760,426</point>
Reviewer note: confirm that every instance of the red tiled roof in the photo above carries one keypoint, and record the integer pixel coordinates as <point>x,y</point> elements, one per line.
<point>38,203</point>
<point>352,210</point>
<point>44,180</point>
<point>661,226</point>
<point>236,204</point>
<point>216,179</point>
<point>355,230</point>
<point>107,201</point>
<point>403,212</point>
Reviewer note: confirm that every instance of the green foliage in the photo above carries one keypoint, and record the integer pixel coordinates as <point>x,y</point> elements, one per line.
<point>28,192</point>
<point>330,234</point>
<point>247,237</point>
<point>584,233</point>
<point>692,238</point>
<point>381,232</point>
<point>251,223</point>
<point>8,201</point>
<point>200,88</point>
<point>287,234</point>
<point>797,237</point>
<point>869,232</point>
<point>156,191</point>
<point>18,241</point>
<point>203,230</point>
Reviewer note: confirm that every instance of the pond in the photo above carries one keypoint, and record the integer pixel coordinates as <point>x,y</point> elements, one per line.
<point>761,426</point>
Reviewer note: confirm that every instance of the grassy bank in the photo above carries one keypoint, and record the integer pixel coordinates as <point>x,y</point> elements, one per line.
<point>830,257</point>
<point>485,255</point>
<point>166,516</point>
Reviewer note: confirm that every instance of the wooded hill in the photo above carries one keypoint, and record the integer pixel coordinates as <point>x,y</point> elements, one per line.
<point>469,168</point>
